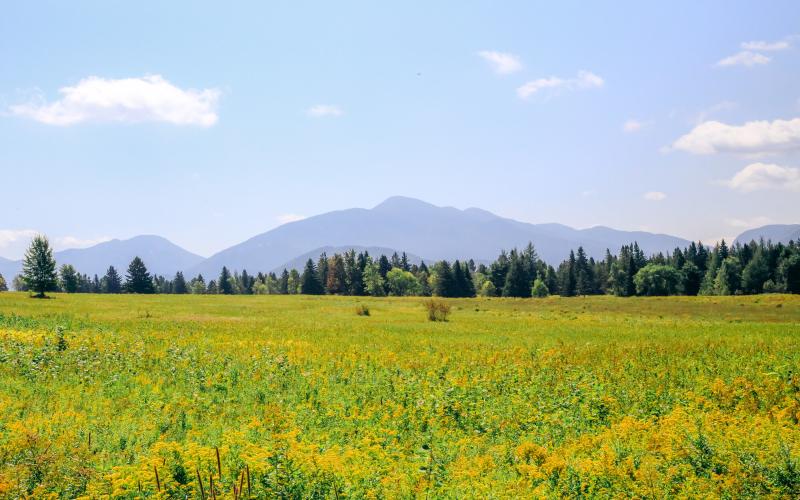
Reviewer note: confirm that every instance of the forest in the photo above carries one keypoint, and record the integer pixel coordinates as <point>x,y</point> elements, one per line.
<point>753,268</point>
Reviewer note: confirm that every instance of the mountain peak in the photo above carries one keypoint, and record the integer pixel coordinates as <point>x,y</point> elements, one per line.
<point>402,203</point>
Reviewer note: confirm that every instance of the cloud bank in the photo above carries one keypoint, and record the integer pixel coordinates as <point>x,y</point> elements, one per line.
<point>765,176</point>
<point>322,110</point>
<point>127,100</point>
<point>752,137</point>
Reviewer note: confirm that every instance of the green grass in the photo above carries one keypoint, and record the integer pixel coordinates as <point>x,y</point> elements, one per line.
<point>596,396</point>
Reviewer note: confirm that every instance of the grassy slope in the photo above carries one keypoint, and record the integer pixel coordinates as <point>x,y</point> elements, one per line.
<point>600,395</point>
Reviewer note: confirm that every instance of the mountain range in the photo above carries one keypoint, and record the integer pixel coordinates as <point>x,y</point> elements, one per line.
<point>424,231</point>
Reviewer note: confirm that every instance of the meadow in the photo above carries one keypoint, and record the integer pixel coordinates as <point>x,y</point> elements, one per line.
<point>300,397</point>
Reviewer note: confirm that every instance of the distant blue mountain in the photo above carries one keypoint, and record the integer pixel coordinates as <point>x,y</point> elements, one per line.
<point>777,233</point>
<point>423,229</point>
<point>159,255</point>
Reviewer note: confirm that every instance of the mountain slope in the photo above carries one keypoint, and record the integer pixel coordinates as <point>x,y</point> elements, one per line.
<point>160,255</point>
<point>420,228</point>
<point>776,233</point>
<point>9,269</point>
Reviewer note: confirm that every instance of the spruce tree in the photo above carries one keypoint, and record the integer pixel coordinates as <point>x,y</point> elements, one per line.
<point>224,285</point>
<point>69,278</point>
<point>39,267</point>
<point>3,284</point>
<point>444,280</point>
<point>111,282</point>
<point>179,284</point>
<point>138,279</point>
<point>309,281</point>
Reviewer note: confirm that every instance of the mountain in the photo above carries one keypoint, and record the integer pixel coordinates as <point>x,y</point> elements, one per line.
<point>421,228</point>
<point>777,233</point>
<point>299,262</point>
<point>9,269</point>
<point>160,255</point>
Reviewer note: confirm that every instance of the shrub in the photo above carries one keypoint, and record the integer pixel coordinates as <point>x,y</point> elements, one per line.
<point>362,310</point>
<point>438,310</point>
<point>539,289</point>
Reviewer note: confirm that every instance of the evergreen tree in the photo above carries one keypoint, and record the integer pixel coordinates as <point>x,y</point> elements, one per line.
<point>224,285</point>
<point>112,283</point>
<point>69,278</point>
<point>212,289</point>
<point>755,273</point>
<point>337,278</point>
<point>789,273</point>
<point>517,283</point>
<point>138,279</point>
<point>294,282</point>
<point>444,280</point>
<point>322,269</point>
<point>39,267</point>
<point>3,284</point>
<point>246,283</point>
<point>309,281</point>
<point>568,278</point>
<point>584,279</point>
<point>283,283</point>
<point>727,281</point>
<point>353,279</point>
<point>179,284</point>
<point>692,278</point>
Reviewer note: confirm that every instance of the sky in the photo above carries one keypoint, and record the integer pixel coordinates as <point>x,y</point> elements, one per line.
<point>208,123</point>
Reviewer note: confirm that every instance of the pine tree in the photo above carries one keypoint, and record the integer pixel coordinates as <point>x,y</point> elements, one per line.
<point>224,282</point>
<point>69,278</point>
<point>283,283</point>
<point>517,283</point>
<point>337,279</point>
<point>138,280</point>
<point>309,281</point>
<point>353,278</point>
<point>584,278</point>
<point>179,284</point>
<point>322,269</point>
<point>459,282</point>
<point>444,280</point>
<point>568,279</point>
<point>39,267</point>
<point>111,282</point>
<point>3,284</point>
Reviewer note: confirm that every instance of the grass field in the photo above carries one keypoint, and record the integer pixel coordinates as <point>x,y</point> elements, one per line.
<point>596,396</point>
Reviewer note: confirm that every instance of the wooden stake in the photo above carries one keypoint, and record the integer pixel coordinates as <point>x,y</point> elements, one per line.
<point>200,482</point>
<point>219,464</point>
<point>158,483</point>
<point>247,468</point>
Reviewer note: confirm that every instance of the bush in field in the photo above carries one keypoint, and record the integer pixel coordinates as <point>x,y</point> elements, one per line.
<point>658,279</point>
<point>362,310</point>
<point>539,289</point>
<point>438,310</point>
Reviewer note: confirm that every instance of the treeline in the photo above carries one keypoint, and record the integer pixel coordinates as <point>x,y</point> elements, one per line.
<point>756,267</point>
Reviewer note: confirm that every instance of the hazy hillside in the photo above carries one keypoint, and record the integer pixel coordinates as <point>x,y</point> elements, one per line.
<point>776,233</point>
<point>160,255</point>
<point>423,229</point>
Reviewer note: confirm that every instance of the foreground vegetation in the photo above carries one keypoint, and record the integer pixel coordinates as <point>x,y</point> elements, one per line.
<point>335,397</point>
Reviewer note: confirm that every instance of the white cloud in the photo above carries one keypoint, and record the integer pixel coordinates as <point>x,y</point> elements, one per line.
<point>752,137</point>
<point>765,176</point>
<point>8,237</point>
<point>130,100</point>
<point>749,222</point>
<point>744,58</point>
<point>286,218</point>
<point>654,196</point>
<point>765,46</point>
<point>633,125</point>
<point>321,110</point>
<point>63,242</point>
<point>501,62</point>
<point>583,80</point>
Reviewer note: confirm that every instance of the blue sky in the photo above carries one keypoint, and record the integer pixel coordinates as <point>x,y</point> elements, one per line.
<point>209,123</point>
